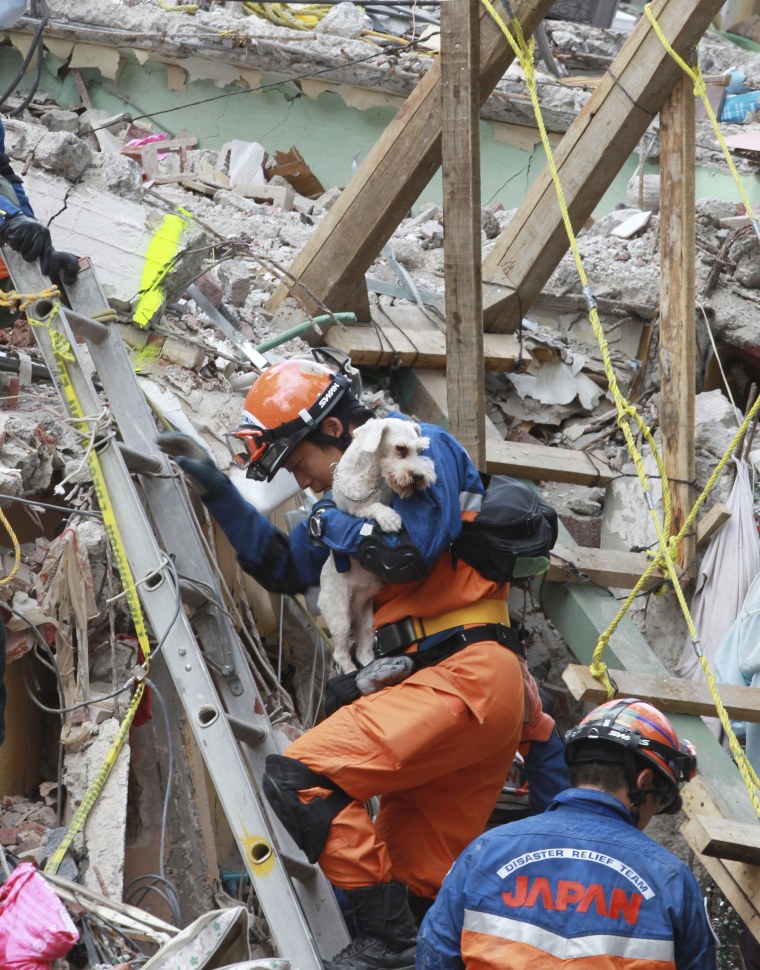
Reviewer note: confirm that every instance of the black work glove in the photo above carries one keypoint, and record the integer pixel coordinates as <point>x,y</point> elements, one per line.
<point>205,478</point>
<point>63,265</point>
<point>28,237</point>
<point>341,690</point>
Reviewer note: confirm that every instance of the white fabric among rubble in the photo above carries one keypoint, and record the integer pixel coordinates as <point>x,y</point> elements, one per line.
<point>728,569</point>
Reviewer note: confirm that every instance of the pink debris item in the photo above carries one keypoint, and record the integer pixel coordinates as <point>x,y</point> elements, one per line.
<point>148,140</point>
<point>35,927</point>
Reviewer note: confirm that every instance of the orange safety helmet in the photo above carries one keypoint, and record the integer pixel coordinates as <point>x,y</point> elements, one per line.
<point>285,404</point>
<point>631,732</point>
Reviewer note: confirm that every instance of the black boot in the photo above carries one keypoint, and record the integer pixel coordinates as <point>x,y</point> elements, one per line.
<point>387,932</point>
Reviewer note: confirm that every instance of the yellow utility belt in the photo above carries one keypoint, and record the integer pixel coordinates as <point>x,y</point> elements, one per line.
<point>394,637</point>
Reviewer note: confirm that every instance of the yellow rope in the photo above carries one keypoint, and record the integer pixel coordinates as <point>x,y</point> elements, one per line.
<point>626,413</point>
<point>300,17</point>
<point>178,8</point>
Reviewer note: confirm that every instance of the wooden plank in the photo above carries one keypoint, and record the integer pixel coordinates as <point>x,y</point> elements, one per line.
<point>396,170</point>
<point>711,521</point>
<point>724,838</point>
<point>544,463</point>
<point>386,346</point>
<point>608,128</point>
<point>672,695</point>
<point>460,150</point>
<point>677,307</point>
<point>605,567</point>
<point>739,882</point>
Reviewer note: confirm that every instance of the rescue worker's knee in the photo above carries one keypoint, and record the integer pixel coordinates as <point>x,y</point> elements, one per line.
<point>308,824</point>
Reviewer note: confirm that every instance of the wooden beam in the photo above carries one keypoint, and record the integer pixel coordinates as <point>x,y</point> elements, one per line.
<point>544,463</point>
<point>711,521</point>
<point>724,838</point>
<point>396,170</point>
<point>397,346</point>
<point>739,882</point>
<point>608,128</point>
<point>677,306</point>
<point>672,695</point>
<point>460,147</point>
<point>604,567</point>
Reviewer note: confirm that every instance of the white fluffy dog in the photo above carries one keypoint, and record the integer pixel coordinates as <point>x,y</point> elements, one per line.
<point>382,460</point>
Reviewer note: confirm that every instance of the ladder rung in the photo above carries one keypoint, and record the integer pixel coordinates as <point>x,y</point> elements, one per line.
<point>86,327</point>
<point>299,869</point>
<point>246,732</point>
<point>140,464</point>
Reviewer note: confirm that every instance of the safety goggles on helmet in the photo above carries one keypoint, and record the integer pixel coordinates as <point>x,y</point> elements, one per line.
<point>264,450</point>
<point>627,731</point>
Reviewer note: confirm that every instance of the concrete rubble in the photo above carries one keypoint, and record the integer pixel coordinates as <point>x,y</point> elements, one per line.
<point>240,233</point>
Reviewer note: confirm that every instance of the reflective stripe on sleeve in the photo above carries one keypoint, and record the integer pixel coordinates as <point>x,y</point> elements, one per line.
<point>470,501</point>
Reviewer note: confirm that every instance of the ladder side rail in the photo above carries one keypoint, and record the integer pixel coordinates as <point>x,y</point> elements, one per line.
<point>290,930</point>
<point>178,528</point>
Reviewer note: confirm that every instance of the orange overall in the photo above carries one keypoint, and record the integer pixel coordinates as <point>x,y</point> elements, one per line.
<point>436,748</point>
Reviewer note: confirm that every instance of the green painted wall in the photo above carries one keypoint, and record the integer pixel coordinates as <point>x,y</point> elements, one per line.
<point>327,132</point>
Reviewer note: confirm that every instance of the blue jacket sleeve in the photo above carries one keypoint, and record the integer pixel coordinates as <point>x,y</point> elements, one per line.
<point>439,942</point>
<point>279,563</point>
<point>7,206</point>
<point>695,940</point>
<point>432,518</point>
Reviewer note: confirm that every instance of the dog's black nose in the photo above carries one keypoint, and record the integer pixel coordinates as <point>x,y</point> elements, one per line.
<point>416,479</point>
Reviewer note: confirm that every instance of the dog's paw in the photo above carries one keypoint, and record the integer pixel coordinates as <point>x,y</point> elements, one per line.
<point>387,519</point>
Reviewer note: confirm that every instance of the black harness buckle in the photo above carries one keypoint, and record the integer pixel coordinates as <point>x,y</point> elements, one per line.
<point>394,638</point>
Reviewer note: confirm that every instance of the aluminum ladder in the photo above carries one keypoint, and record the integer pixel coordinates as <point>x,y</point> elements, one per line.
<point>206,661</point>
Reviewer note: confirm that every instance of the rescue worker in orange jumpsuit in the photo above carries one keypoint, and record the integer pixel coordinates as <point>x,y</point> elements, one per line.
<point>436,747</point>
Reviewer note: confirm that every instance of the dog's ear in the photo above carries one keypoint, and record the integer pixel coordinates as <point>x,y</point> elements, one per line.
<point>369,435</point>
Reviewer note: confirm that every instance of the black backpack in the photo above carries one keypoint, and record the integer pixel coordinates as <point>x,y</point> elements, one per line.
<point>510,538</point>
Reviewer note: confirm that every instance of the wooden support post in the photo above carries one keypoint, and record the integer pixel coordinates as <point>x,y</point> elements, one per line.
<point>677,309</point>
<point>591,153</point>
<point>460,121</point>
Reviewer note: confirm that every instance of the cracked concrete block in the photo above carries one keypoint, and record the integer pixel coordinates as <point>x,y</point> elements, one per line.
<point>115,232</point>
<point>107,822</point>
<point>344,20</point>
<point>326,201</point>
<point>63,154</point>
<point>120,175</point>
<point>742,251</point>
<point>235,277</point>
<point>211,288</point>
<point>58,119</point>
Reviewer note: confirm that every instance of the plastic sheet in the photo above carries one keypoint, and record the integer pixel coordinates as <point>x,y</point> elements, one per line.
<point>35,927</point>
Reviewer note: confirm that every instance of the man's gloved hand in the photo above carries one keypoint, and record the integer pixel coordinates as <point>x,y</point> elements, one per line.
<point>316,524</point>
<point>384,672</point>
<point>64,265</point>
<point>206,479</point>
<point>28,237</point>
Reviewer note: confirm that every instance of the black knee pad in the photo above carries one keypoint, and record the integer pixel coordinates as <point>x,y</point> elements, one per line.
<point>309,825</point>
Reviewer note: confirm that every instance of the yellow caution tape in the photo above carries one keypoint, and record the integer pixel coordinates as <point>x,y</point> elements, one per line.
<point>64,356</point>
